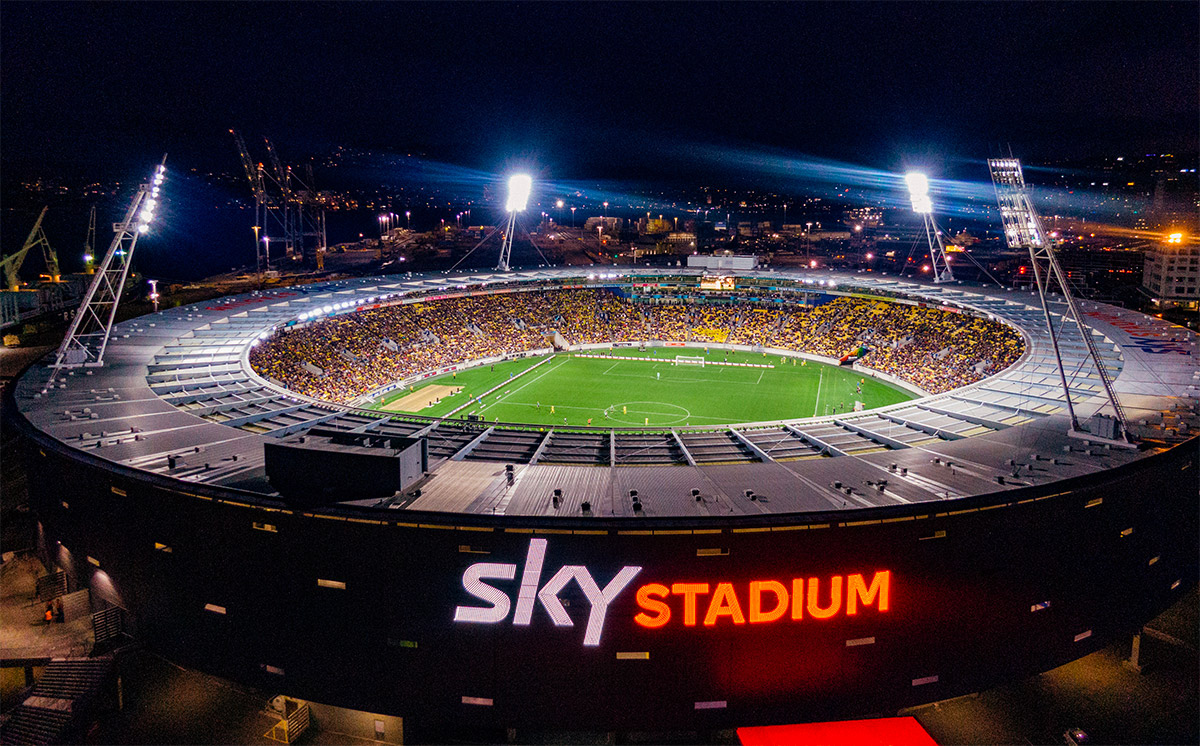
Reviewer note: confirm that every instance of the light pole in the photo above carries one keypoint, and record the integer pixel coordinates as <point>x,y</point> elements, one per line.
<point>559,205</point>
<point>572,217</point>
<point>606,211</point>
<point>154,293</point>
<point>255,228</point>
<point>408,217</point>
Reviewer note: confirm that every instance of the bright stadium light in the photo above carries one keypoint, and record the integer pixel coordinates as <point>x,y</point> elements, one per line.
<point>918,189</point>
<point>519,187</point>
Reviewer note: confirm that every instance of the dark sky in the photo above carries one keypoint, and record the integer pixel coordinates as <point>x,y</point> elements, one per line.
<point>597,90</point>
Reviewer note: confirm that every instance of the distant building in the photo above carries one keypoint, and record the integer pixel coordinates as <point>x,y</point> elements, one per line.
<point>723,261</point>
<point>1172,274</point>
<point>610,225</point>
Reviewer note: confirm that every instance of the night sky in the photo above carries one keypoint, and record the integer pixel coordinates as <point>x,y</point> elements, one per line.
<point>598,90</point>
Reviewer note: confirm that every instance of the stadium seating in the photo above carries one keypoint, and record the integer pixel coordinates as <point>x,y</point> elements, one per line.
<point>346,356</point>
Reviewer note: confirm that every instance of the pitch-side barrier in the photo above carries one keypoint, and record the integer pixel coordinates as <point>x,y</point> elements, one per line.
<point>671,360</point>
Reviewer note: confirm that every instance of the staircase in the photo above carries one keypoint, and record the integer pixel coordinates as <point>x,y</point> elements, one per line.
<point>60,704</point>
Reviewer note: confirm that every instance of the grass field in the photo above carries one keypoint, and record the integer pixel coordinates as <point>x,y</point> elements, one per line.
<point>634,393</point>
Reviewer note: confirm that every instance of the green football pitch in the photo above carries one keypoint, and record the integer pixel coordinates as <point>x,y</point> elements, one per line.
<point>567,389</point>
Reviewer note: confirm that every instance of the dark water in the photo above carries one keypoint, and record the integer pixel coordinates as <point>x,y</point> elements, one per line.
<point>190,240</point>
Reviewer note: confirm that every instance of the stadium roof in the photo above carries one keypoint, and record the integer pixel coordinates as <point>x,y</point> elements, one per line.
<point>177,388</point>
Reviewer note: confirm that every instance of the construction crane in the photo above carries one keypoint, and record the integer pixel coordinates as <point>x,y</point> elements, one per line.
<point>37,237</point>
<point>261,203</point>
<point>89,244</point>
<point>287,209</point>
<point>1023,229</point>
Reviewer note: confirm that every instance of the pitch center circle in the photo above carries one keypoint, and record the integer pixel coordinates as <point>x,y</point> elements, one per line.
<point>658,412</point>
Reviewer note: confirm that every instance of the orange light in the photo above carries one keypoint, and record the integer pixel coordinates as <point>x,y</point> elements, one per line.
<point>646,598</point>
<point>689,591</point>
<point>835,598</point>
<point>798,599</point>
<point>724,603</point>
<point>857,589</point>
<point>781,600</point>
<point>1175,238</point>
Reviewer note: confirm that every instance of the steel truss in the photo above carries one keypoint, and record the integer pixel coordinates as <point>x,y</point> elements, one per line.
<point>286,209</point>
<point>87,337</point>
<point>1023,228</point>
<point>506,244</point>
<point>937,251</point>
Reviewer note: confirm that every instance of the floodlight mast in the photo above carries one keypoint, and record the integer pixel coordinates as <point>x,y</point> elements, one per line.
<point>1023,229</point>
<point>87,337</point>
<point>519,187</point>
<point>918,189</point>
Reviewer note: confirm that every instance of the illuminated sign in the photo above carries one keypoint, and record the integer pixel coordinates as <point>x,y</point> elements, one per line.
<point>659,605</point>
<point>716,282</point>
<point>547,595</point>
<point>764,600</point>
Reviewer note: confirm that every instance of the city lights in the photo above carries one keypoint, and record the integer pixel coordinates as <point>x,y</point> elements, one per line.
<point>1175,238</point>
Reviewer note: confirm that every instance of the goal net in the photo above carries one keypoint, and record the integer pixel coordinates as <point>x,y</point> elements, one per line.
<point>686,360</point>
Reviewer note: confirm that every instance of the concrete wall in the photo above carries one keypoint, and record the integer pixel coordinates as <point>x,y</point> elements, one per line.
<point>984,590</point>
<point>332,719</point>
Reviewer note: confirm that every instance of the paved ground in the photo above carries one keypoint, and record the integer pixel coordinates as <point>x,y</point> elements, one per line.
<point>23,631</point>
<point>1100,694</point>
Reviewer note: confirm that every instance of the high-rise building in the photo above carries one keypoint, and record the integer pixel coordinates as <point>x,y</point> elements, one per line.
<point>1172,272</point>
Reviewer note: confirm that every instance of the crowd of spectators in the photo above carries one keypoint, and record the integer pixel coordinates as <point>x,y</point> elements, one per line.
<point>346,356</point>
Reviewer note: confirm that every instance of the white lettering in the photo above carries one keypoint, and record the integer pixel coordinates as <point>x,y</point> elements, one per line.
<point>600,599</point>
<point>529,581</point>
<point>499,601</point>
<point>548,595</point>
<point>472,583</point>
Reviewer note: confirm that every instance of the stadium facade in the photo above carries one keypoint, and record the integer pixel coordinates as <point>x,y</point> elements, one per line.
<point>894,556</point>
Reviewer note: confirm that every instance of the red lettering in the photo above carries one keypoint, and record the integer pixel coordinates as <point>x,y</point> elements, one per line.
<point>689,591</point>
<point>857,590</point>
<point>724,603</point>
<point>835,598</point>
<point>781,600</point>
<point>647,598</point>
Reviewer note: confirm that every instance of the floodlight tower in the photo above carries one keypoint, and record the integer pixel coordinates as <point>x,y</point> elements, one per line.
<point>88,335</point>
<point>519,187</point>
<point>918,190</point>
<point>1023,229</point>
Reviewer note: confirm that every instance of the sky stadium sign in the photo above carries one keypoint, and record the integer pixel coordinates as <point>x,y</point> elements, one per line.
<point>661,604</point>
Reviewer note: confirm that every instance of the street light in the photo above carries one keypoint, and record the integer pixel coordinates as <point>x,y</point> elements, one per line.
<point>408,217</point>
<point>572,217</point>
<point>606,210</point>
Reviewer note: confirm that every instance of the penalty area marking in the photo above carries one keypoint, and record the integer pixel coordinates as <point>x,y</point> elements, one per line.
<point>614,413</point>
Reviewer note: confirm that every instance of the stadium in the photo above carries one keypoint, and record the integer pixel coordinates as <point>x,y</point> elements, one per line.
<point>621,498</point>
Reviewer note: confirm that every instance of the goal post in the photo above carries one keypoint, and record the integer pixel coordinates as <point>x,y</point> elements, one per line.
<point>689,360</point>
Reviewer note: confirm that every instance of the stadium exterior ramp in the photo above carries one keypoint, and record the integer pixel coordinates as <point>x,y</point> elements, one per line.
<point>831,566</point>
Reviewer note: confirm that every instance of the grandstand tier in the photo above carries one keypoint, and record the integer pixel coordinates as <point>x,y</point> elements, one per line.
<point>849,563</point>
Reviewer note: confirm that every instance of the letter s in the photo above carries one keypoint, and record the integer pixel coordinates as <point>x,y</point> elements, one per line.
<point>646,599</point>
<point>473,583</point>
